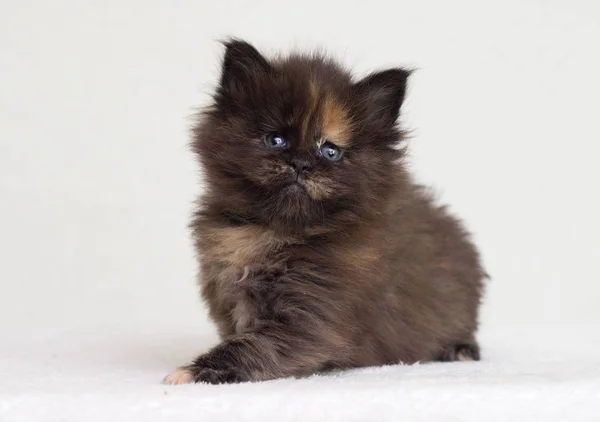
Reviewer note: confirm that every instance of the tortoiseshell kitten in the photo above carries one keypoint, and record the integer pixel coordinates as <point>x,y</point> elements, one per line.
<point>317,250</point>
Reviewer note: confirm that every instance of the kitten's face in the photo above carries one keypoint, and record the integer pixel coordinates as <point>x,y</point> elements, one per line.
<point>296,141</point>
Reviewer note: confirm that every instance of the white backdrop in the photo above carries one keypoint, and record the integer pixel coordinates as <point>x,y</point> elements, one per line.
<point>96,181</point>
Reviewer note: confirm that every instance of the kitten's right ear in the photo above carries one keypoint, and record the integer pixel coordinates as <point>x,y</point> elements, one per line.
<point>242,65</point>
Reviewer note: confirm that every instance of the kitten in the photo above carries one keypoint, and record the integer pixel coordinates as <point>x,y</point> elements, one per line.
<point>318,251</point>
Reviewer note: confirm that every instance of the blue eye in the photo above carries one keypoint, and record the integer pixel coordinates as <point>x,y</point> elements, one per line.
<point>331,152</point>
<point>275,141</point>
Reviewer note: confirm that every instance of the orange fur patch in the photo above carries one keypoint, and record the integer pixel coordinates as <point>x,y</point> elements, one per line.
<point>312,107</point>
<point>336,123</point>
<point>317,189</point>
<point>242,246</point>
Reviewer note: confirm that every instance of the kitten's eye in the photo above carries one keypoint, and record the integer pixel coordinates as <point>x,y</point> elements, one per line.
<point>275,141</point>
<point>330,151</point>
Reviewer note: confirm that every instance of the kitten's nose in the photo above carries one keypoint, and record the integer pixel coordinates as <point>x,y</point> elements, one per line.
<point>301,165</point>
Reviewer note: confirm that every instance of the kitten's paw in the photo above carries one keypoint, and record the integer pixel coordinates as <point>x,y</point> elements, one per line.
<point>220,376</point>
<point>192,374</point>
<point>181,375</point>
<point>460,352</point>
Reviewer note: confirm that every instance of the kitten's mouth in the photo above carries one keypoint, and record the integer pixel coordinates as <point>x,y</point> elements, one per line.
<point>297,183</point>
<point>300,180</point>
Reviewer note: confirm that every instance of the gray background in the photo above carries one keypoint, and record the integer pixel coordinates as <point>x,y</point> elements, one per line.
<point>97,183</point>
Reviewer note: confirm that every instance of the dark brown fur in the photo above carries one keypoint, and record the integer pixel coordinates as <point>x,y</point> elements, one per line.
<point>355,267</point>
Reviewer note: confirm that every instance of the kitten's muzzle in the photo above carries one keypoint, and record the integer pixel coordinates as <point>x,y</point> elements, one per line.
<point>301,165</point>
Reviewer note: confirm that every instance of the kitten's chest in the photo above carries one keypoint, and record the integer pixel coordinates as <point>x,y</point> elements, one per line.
<point>250,273</point>
<point>242,268</point>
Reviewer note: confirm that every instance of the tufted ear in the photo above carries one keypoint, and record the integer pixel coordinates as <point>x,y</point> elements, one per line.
<point>382,94</point>
<point>242,64</point>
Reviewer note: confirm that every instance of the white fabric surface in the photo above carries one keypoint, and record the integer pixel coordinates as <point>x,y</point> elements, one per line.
<point>113,373</point>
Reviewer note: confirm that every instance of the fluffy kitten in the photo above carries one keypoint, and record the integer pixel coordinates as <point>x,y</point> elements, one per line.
<point>317,250</point>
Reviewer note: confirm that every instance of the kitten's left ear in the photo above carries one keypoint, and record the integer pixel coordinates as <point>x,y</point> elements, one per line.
<point>242,64</point>
<point>382,94</point>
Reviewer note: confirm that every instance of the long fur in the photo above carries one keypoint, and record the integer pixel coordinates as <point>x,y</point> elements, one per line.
<point>357,266</point>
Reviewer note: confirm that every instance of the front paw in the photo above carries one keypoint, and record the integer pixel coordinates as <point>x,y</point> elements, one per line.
<point>179,376</point>
<point>193,373</point>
